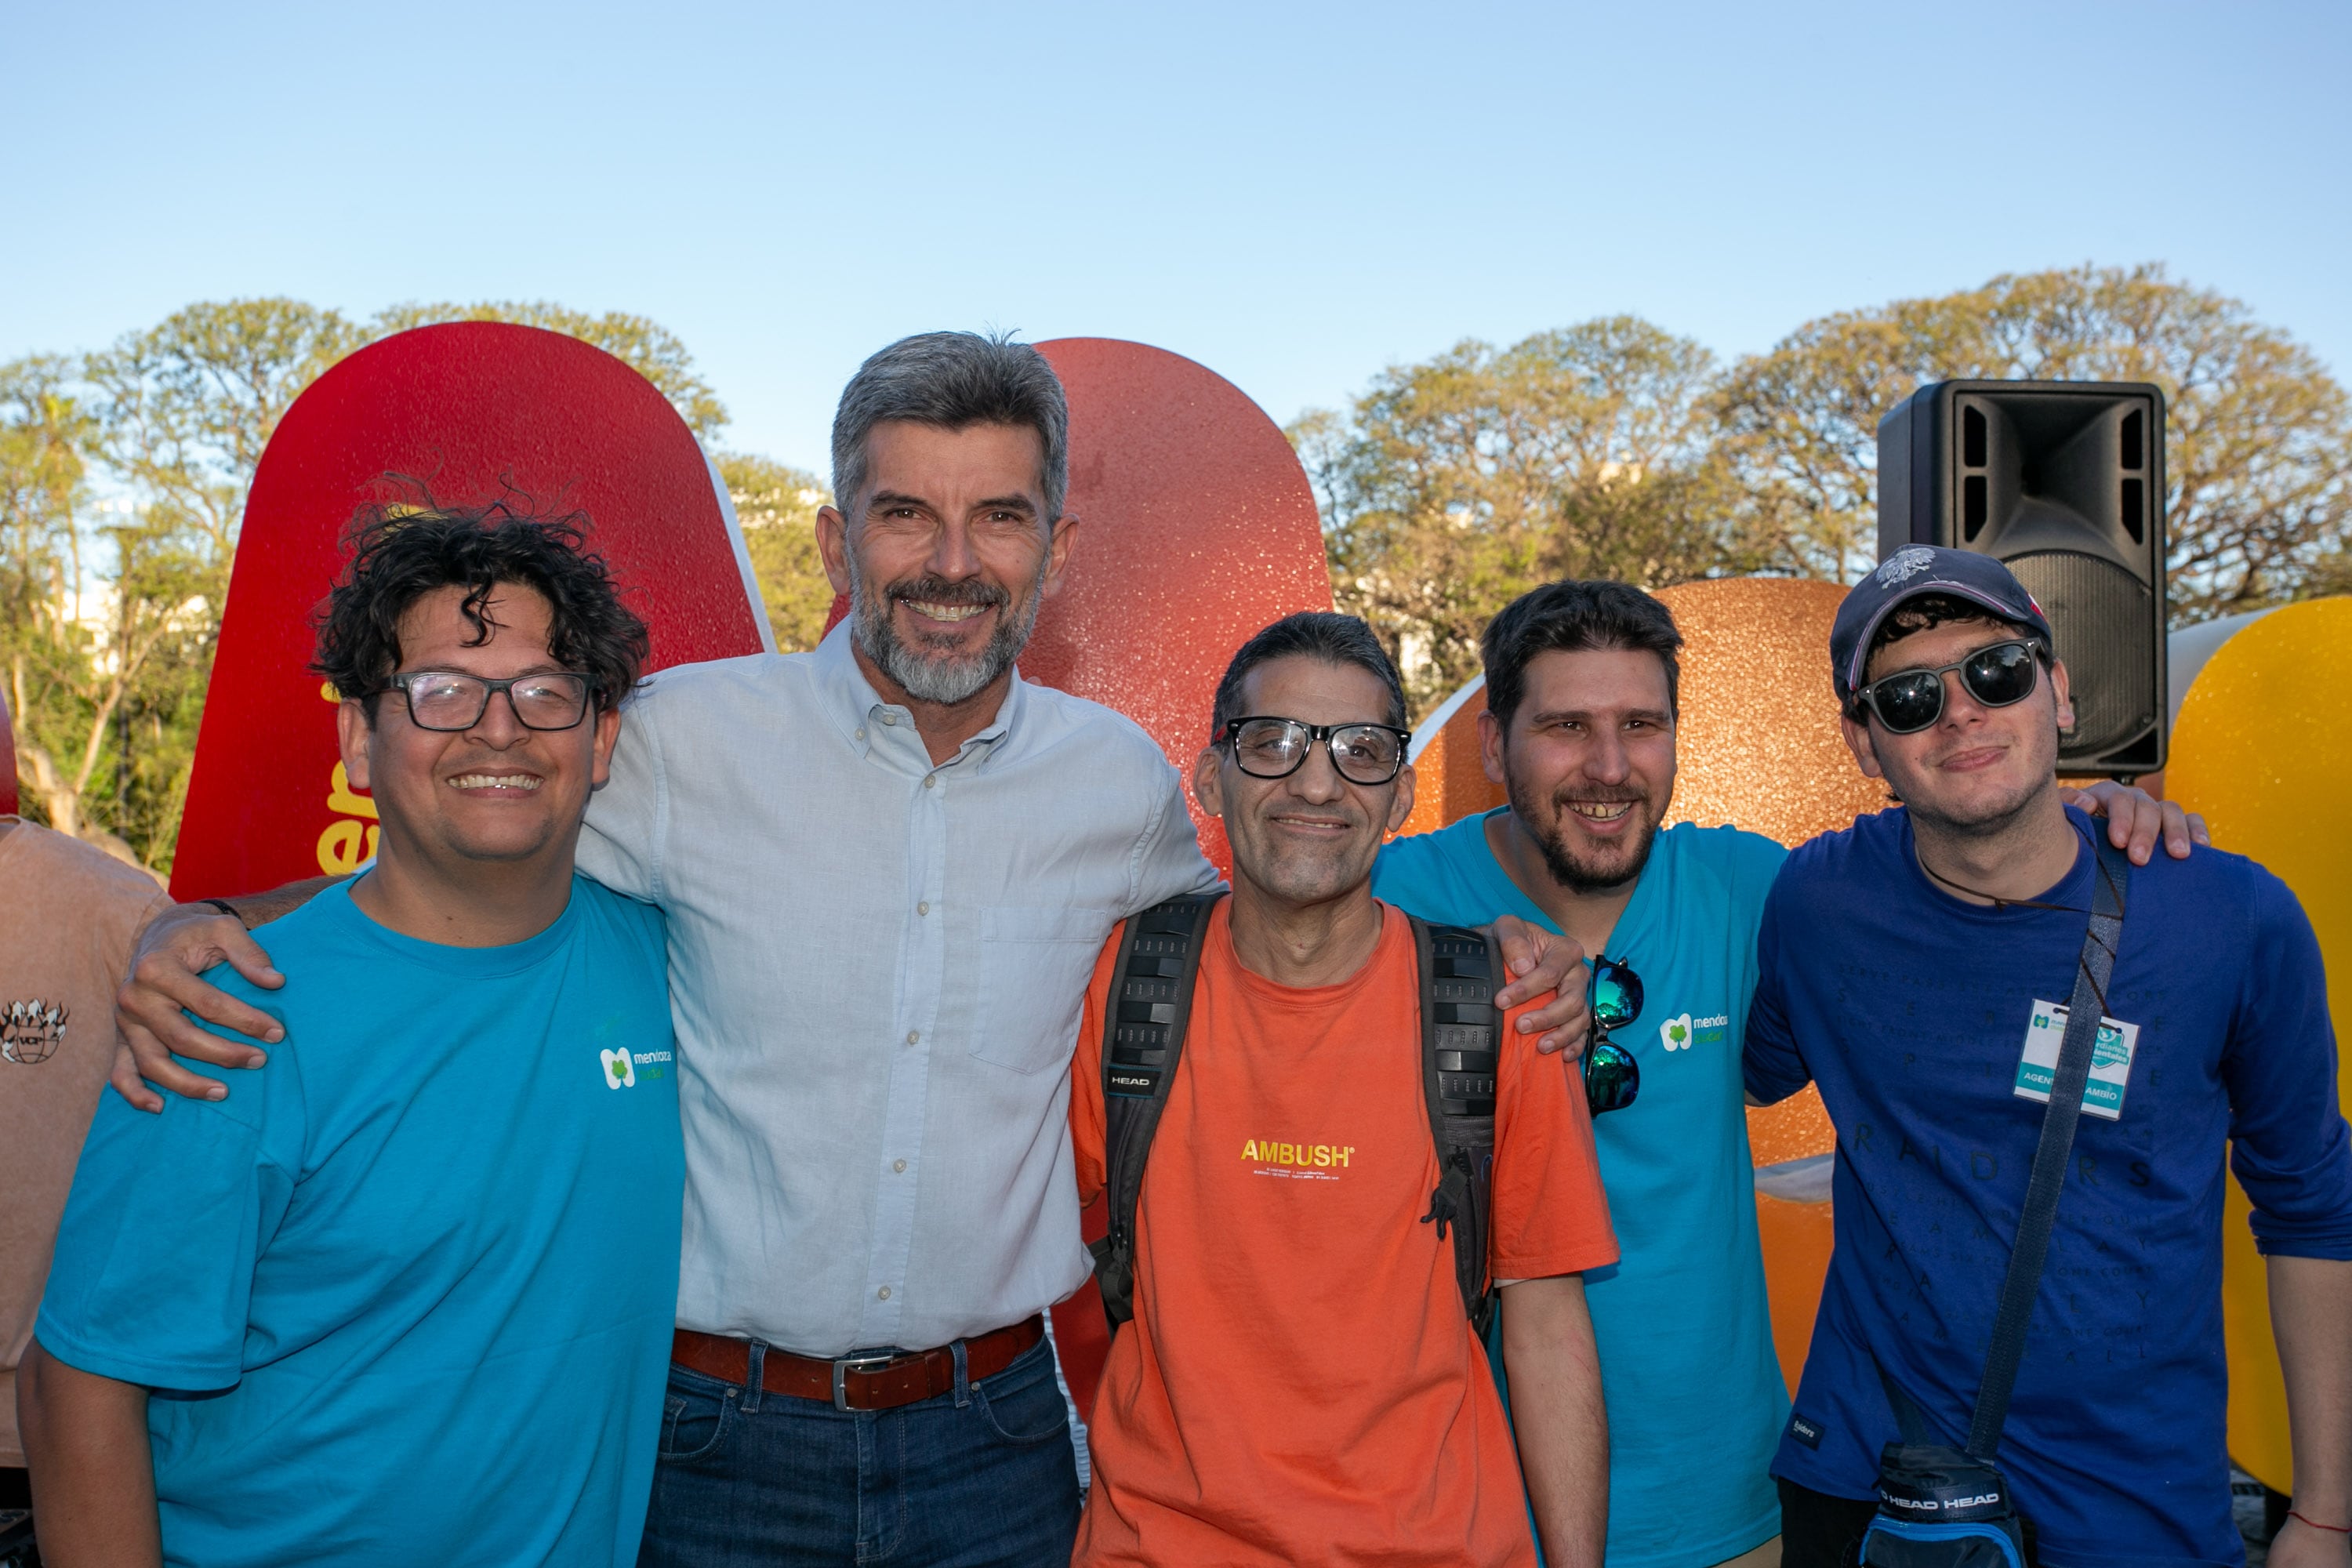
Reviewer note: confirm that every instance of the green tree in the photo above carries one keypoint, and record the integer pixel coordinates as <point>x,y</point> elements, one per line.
<point>645,346</point>
<point>186,407</point>
<point>777,506</point>
<point>2258,435</point>
<point>1453,486</point>
<point>106,627</point>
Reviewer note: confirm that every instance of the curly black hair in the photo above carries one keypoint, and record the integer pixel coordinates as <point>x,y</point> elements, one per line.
<point>400,551</point>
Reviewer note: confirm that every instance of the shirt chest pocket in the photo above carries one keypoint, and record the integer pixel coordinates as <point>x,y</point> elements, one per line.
<point>1035,964</point>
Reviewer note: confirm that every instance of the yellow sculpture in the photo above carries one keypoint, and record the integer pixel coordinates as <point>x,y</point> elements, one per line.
<point>2264,749</point>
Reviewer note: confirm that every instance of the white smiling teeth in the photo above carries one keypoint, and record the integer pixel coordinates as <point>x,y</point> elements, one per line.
<point>943,612</point>
<point>1603,813</point>
<point>495,780</point>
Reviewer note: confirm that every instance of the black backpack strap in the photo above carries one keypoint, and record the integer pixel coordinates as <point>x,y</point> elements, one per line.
<point>1460,1063</point>
<point>2112,876</point>
<point>1143,1039</point>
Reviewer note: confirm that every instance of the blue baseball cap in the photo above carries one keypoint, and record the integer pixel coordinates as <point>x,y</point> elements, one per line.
<point>1914,570</point>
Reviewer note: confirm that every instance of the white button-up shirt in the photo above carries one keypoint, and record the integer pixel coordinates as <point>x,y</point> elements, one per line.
<point>875,968</point>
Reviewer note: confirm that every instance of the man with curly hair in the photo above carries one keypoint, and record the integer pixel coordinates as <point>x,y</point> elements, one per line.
<point>407,1296</point>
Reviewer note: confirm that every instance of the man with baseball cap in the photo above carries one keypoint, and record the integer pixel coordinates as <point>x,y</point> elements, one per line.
<point>1917,968</point>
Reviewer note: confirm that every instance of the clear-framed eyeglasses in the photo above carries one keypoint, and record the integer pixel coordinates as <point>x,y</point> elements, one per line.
<point>1270,748</point>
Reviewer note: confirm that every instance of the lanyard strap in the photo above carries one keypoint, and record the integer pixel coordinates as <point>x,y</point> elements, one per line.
<point>2058,1121</point>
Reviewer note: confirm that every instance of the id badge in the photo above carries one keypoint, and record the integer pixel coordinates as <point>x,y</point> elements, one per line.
<point>2111,1060</point>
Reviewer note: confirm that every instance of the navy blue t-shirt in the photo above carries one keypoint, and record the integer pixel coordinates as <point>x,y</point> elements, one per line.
<point>1911,1009</point>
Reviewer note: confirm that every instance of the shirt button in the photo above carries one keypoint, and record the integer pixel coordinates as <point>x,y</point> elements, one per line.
<point>897,1164</point>
<point>890,719</point>
<point>931,780</point>
<point>883,1294</point>
<point>924,908</point>
<point>861,732</point>
<point>914,1035</point>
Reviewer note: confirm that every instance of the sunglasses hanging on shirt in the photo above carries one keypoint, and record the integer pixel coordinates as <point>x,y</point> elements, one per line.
<point>1611,1077</point>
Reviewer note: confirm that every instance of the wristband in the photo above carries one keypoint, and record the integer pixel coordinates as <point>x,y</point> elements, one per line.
<point>2331,1529</point>
<point>224,906</point>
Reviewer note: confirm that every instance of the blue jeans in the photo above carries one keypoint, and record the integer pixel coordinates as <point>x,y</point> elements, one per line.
<point>979,1477</point>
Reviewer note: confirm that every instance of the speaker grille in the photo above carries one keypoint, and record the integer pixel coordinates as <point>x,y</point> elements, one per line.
<point>2105,620</point>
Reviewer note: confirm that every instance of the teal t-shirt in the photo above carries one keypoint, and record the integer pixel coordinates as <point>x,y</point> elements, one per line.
<point>407,1295</point>
<point>1684,1327</point>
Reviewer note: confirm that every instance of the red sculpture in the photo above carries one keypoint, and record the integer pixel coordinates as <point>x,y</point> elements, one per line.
<point>471,408</point>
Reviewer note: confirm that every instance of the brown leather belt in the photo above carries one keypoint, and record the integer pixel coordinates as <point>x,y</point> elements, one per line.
<point>856,1383</point>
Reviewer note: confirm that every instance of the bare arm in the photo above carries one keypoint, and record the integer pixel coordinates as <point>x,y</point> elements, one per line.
<point>177,946</point>
<point>2311,1318</point>
<point>1556,1405</point>
<point>93,1472</point>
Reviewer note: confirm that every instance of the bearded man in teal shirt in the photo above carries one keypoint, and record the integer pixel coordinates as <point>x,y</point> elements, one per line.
<point>1582,700</point>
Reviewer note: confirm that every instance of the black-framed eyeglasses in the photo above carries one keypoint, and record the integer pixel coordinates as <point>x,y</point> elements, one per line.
<point>1611,1077</point>
<point>1269,748</point>
<point>447,699</point>
<point>1910,700</point>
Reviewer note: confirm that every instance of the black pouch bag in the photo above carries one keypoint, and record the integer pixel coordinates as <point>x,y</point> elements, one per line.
<point>1937,1507</point>
<point>1940,1506</point>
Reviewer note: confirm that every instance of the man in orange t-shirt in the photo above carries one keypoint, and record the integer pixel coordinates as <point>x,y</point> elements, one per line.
<point>1300,1382</point>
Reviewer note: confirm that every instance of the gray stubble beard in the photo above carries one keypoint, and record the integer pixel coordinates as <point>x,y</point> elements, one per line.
<point>946,681</point>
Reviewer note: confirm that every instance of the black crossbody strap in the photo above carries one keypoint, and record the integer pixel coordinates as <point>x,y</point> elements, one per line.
<point>1143,1039</point>
<point>1460,1044</point>
<point>2110,878</point>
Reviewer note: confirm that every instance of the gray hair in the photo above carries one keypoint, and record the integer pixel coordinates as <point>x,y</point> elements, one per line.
<point>953,381</point>
<point>1315,634</point>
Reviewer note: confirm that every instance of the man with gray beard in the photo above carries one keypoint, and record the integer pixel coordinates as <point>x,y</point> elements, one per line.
<point>888,866</point>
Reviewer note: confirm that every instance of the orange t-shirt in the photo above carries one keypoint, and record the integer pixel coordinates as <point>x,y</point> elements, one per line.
<point>1301,1383</point>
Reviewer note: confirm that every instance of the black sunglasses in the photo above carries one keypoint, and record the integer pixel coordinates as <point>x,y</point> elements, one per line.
<point>1270,748</point>
<point>1910,700</point>
<point>1611,1077</point>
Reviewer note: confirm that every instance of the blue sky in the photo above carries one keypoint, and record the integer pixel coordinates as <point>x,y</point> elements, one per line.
<point>1294,195</point>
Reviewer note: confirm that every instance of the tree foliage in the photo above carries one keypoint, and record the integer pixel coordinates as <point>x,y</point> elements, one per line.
<point>777,506</point>
<point>2258,435</point>
<point>106,626</point>
<point>1614,449</point>
<point>1454,484</point>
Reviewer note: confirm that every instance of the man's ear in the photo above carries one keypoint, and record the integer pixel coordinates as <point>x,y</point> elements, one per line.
<point>1865,750</point>
<point>353,733</point>
<point>1057,552</point>
<point>608,730</point>
<point>1401,804</point>
<point>1490,746</point>
<point>833,546</point>
<point>2064,689</point>
<point>1209,782</point>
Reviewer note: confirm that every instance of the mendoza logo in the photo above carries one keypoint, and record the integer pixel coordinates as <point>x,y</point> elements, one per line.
<point>1682,1033</point>
<point>621,1067</point>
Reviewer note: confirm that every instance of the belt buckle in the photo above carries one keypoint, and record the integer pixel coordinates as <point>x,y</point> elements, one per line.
<point>843,1367</point>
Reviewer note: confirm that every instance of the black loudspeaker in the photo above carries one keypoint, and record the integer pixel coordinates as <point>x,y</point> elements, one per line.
<point>2064,482</point>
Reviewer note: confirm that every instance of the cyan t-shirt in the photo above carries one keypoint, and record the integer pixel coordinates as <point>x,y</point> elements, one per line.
<point>1683,1325</point>
<point>408,1293</point>
<point>1910,1009</point>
